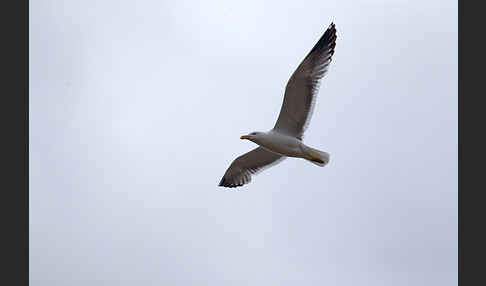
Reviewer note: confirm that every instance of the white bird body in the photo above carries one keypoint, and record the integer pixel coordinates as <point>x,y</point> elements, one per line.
<point>280,143</point>
<point>288,146</point>
<point>285,139</point>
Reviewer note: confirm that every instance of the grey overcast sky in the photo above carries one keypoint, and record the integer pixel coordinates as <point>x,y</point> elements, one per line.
<point>136,108</point>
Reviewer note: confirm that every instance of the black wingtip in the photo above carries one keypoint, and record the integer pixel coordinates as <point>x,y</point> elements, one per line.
<point>328,39</point>
<point>221,183</point>
<point>226,184</point>
<point>331,28</point>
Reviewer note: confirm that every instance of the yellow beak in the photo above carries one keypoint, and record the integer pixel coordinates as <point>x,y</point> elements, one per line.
<point>245,137</point>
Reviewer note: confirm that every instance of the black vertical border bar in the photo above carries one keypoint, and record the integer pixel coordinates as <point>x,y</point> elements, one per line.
<point>459,144</point>
<point>472,144</point>
<point>25,225</point>
<point>14,135</point>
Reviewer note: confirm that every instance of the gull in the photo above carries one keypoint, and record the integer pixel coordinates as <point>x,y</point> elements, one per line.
<point>285,139</point>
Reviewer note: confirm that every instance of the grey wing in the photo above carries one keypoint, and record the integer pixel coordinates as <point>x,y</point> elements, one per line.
<point>240,171</point>
<point>303,86</point>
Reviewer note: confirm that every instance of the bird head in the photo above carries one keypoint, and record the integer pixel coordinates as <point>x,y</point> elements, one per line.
<point>252,136</point>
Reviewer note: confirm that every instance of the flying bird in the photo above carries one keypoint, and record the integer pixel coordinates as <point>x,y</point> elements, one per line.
<point>285,139</point>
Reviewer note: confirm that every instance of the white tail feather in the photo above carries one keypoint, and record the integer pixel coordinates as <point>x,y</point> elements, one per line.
<point>317,157</point>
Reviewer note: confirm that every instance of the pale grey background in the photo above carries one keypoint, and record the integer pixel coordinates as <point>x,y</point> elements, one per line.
<point>136,108</point>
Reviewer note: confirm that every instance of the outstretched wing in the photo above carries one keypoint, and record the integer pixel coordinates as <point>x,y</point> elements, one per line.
<point>303,86</point>
<point>240,171</point>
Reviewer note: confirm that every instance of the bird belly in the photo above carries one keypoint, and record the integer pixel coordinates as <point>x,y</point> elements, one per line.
<point>283,145</point>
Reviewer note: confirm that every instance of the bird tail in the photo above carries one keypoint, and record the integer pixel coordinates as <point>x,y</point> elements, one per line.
<point>317,157</point>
